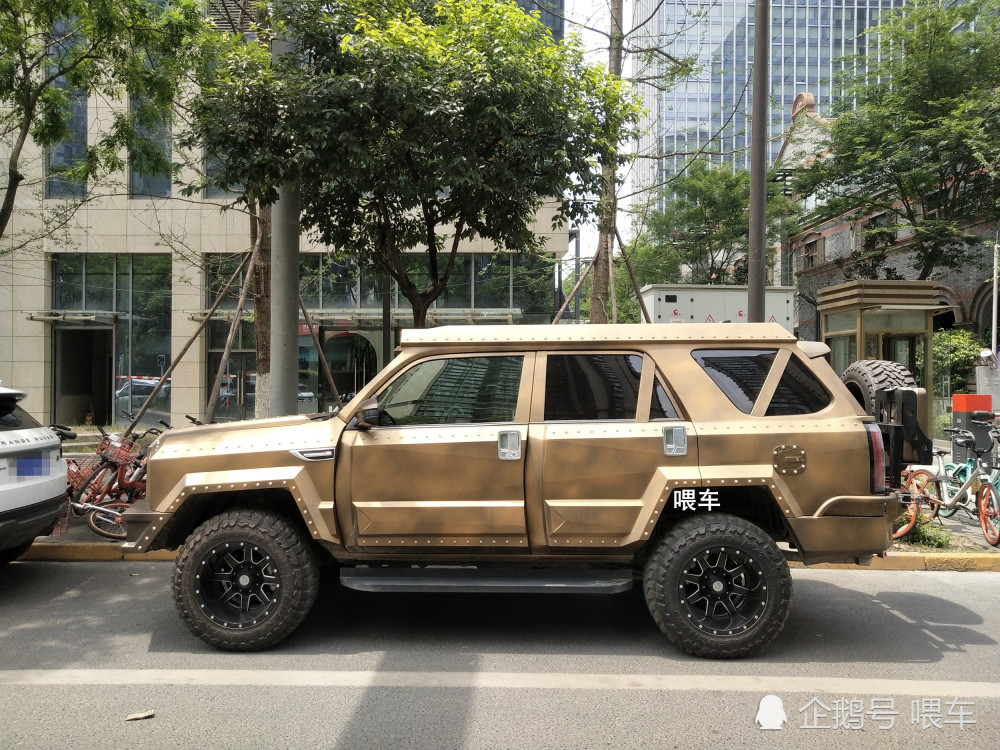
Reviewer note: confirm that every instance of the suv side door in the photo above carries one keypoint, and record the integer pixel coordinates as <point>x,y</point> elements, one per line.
<point>602,426</point>
<point>444,468</point>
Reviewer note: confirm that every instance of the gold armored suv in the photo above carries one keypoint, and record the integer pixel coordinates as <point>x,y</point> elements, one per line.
<point>695,459</point>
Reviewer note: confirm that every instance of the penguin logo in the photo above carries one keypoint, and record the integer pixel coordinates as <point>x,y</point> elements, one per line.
<point>770,713</point>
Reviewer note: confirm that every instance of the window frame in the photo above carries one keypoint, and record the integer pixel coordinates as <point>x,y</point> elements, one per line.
<point>644,396</point>
<point>524,387</point>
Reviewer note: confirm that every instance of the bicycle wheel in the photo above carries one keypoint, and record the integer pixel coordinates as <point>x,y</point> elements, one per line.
<point>99,487</point>
<point>956,478</point>
<point>988,502</point>
<point>921,482</point>
<point>905,523</point>
<point>107,520</point>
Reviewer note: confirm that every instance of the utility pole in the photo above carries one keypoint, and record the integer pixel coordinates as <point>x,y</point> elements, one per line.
<point>758,162</point>
<point>284,288</point>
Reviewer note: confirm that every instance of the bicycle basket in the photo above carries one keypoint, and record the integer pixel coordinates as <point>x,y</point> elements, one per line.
<point>77,470</point>
<point>119,450</point>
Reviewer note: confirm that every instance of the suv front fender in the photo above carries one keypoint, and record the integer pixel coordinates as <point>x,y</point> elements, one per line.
<point>145,525</point>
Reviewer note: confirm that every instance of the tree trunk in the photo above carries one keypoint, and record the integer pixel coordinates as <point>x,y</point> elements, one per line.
<point>608,207</point>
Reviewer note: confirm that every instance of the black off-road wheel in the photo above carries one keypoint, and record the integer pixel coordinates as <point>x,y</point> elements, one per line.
<point>245,579</point>
<point>718,587</point>
<point>866,376</point>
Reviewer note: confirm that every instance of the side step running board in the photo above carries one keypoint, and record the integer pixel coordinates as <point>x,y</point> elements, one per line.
<point>475,580</point>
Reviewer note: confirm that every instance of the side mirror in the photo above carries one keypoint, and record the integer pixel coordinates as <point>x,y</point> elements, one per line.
<point>367,414</point>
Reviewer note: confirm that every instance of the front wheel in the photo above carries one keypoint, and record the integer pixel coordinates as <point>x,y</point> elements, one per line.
<point>718,587</point>
<point>988,503</point>
<point>921,482</point>
<point>245,579</point>
<point>107,520</point>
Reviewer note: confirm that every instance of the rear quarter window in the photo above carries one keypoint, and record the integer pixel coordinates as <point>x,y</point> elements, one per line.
<point>741,373</point>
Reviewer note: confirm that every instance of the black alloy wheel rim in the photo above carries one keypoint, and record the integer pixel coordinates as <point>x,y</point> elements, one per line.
<point>237,584</point>
<point>723,591</point>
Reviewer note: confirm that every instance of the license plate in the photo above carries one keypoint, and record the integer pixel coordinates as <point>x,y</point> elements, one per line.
<point>36,464</point>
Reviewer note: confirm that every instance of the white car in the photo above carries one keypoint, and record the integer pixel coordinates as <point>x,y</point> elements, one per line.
<point>32,478</point>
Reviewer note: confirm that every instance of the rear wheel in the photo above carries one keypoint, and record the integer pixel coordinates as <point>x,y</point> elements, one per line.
<point>911,514</point>
<point>989,513</point>
<point>99,488</point>
<point>718,587</point>
<point>245,579</point>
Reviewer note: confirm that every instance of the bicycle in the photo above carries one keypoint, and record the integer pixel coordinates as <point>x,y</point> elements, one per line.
<point>114,484</point>
<point>977,492</point>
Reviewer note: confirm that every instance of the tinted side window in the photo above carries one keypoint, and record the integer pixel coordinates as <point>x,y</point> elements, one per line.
<point>798,392</point>
<point>739,373</point>
<point>453,391</point>
<point>661,408</point>
<point>591,386</point>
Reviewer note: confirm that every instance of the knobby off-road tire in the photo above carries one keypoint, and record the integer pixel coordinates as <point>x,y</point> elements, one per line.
<point>866,376</point>
<point>718,586</point>
<point>245,579</point>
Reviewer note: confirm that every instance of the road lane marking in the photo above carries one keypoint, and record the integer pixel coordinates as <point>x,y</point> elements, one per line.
<point>501,681</point>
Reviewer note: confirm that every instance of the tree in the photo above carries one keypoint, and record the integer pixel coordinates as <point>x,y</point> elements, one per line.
<point>412,126</point>
<point>52,52</point>
<point>706,223</point>
<point>915,149</point>
<point>651,264</point>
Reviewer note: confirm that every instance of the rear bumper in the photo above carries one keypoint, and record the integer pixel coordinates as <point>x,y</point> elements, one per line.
<point>824,537</point>
<point>21,525</point>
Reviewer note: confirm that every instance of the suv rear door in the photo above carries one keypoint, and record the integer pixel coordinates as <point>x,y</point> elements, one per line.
<point>602,426</point>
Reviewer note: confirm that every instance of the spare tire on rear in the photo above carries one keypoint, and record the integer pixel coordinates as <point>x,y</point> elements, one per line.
<point>864,377</point>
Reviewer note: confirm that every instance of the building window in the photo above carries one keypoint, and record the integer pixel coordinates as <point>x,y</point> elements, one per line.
<point>811,253</point>
<point>71,152</point>
<point>145,179</point>
<point>213,166</point>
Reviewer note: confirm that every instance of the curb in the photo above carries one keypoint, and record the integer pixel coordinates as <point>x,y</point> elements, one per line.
<point>89,552</point>
<point>109,552</point>
<point>973,561</point>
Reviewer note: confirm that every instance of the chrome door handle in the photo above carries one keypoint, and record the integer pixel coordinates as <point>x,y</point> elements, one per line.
<point>509,445</point>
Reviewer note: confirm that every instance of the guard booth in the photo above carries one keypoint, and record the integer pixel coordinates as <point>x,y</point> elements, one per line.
<point>893,320</point>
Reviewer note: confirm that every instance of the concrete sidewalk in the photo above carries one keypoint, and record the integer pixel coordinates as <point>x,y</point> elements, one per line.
<point>78,542</point>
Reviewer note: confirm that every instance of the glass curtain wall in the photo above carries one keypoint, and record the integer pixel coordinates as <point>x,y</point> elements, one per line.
<point>810,41</point>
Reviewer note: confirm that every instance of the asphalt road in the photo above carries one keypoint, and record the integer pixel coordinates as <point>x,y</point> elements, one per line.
<point>869,659</point>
